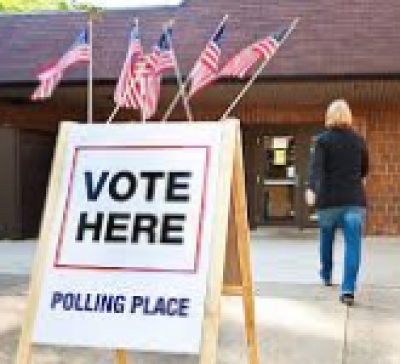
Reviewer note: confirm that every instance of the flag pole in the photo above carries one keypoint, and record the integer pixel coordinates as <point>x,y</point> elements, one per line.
<point>113,114</point>
<point>90,70</point>
<point>257,73</point>
<point>185,84</point>
<point>117,107</point>
<point>178,74</point>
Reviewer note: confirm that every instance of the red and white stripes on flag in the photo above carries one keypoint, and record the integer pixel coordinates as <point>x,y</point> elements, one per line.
<point>241,63</point>
<point>205,71</point>
<point>160,60</point>
<point>126,91</point>
<point>48,82</point>
<point>150,87</point>
<point>143,79</point>
<point>50,77</point>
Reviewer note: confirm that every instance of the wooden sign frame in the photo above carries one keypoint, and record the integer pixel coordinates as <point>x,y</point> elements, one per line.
<point>230,192</point>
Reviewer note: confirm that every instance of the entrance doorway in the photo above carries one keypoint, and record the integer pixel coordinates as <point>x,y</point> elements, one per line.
<point>281,161</point>
<point>279,179</point>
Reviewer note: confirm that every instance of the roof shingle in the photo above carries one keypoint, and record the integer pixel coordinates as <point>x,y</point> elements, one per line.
<point>334,37</point>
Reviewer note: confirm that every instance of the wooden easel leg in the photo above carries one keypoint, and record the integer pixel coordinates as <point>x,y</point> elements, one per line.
<point>38,271</point>
<point>24,352</point>
<point>243,241</point>
<point>212,314</point>
<point>121,356</point>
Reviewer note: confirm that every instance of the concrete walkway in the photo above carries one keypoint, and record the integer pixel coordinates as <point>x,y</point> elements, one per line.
<point>298,321</point>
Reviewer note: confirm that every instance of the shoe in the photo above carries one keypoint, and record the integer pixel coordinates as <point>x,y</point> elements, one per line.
<point>347,299</point>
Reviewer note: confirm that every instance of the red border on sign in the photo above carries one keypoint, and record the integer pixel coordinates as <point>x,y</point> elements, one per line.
<point>199,234</point>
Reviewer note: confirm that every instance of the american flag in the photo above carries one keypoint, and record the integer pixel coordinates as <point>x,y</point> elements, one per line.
<point>205,70</point>
<point>126,91</point>
<point>242,62</point>
<point>160,60</point>
<point>50,77</point>
<point>143,77</point>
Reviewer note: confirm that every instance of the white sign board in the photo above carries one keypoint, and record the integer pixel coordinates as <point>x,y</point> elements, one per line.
<point>129,245</point>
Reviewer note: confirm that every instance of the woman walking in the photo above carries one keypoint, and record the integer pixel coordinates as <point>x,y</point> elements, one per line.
<point>338,167</point>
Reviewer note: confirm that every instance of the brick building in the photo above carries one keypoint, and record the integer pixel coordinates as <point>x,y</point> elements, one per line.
<point>341,48</point>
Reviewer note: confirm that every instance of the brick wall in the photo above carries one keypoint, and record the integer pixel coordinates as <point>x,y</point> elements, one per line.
<point>379,124</point>
<point>383,186</point>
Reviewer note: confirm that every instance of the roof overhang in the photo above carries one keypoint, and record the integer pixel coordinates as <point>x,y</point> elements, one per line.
<point>265,91</point>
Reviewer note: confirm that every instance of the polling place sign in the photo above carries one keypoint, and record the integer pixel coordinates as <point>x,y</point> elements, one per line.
<point>128,248</point>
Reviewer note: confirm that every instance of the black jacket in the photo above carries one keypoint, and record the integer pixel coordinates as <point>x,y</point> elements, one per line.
<point>339,162</point>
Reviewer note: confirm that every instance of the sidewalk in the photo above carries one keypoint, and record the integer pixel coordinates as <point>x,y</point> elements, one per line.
<point>298,321</point>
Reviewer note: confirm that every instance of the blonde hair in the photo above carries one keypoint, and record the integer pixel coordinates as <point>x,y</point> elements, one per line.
<point>338,114</point>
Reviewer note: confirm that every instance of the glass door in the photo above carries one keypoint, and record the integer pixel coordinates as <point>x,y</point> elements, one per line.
<point>283,155</point>
<point>279,180</point>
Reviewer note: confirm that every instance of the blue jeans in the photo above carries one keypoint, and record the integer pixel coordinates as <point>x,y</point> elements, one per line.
<point>350,219</point>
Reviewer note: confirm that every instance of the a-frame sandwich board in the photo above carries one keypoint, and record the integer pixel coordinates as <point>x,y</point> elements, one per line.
<point>230,192</point>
